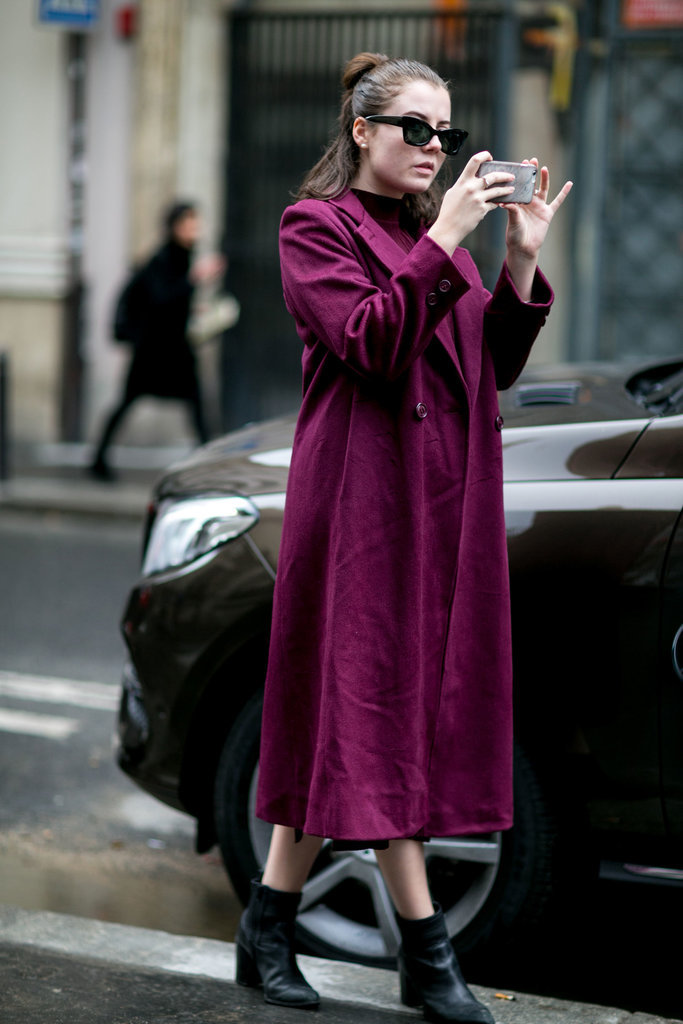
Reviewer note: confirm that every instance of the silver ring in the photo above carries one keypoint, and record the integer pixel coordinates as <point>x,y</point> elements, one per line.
<point>486,181</point>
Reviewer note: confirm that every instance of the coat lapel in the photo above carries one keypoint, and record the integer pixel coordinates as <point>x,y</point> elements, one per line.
<point>384,248</point>
<point>469,334</point>
<point>466,358</point>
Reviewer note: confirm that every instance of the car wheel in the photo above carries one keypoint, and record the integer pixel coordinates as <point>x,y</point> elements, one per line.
<point>490,886</point>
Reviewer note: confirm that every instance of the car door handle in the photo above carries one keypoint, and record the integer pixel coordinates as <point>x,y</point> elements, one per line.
<point>677,653</point>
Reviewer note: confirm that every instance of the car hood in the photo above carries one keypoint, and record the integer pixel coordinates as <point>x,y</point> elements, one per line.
<point>560,422</point>
<point>249,461</point>
<point>573,393</point>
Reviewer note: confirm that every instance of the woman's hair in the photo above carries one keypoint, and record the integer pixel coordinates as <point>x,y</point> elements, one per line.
<point>175,212</point>
<point>370,81</point>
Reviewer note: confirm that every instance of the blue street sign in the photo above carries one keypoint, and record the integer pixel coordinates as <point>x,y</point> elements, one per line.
<point>73,14</point>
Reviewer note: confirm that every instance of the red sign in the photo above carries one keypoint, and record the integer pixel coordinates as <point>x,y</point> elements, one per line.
<point>652,13</point>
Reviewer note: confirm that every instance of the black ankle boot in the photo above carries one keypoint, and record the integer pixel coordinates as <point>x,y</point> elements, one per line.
<point>430,974</point>
<point>265,949</point>
<point>101,470</point>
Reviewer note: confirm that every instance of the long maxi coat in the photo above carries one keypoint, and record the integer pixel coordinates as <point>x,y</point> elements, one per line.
<point>388,696</point>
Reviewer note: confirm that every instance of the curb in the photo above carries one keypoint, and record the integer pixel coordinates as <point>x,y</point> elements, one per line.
<point>127,946</point>
<point>35,494</point>
<point>344,985</point>
<point>53,478</point>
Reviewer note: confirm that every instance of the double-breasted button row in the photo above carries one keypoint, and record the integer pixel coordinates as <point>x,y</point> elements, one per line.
<point>421,411</point>
<point>444,287</point>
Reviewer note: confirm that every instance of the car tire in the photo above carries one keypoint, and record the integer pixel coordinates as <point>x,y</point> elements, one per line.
<point>237,766</point>
<point>526,879</point>
<point>493,888</point>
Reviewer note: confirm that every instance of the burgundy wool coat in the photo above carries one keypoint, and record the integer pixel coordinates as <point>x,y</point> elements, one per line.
<point>387,707</point>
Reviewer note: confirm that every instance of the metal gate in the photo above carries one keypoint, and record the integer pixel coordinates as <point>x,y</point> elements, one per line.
<point>285,93</point>
<point>628,284</point>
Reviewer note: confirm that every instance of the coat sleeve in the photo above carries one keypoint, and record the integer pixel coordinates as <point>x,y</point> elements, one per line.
<point>511,325</point>
<point>378,332</point>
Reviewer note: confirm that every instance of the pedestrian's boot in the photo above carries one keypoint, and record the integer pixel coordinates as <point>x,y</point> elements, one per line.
<point>100,469</point>
<point>265,948</point>
<point>430,974</point>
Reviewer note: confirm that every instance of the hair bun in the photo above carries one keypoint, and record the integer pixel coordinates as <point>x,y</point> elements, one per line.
<point>359,66</point>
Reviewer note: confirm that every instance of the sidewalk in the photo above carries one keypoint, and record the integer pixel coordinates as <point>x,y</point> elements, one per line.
<point>53,477</point>
<point>56,969</point>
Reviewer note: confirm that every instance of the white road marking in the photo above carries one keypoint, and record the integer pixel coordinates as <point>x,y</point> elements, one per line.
<point>48,690</point>
<point>51,690</point>
<point>50,727</point>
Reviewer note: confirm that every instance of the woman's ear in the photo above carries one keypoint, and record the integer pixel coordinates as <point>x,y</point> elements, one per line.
<point>360,132</point>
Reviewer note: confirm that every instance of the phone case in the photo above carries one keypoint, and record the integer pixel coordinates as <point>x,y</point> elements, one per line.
<point>525,179</point>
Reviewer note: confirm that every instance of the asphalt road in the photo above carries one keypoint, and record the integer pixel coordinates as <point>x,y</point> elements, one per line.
<point>77,836</point>
<point>64,583</point>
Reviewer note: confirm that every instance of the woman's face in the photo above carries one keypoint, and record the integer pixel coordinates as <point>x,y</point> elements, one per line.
<point>187,229</point>
<point>388,165</point>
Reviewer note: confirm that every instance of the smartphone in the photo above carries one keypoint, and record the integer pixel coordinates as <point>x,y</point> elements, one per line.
<point>525,179</point>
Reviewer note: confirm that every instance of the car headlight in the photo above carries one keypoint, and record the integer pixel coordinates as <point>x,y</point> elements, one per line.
<point>188,528</point>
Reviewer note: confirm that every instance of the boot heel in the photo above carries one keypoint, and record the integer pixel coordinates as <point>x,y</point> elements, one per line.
<point>246,973</point>
<point>410,996</point>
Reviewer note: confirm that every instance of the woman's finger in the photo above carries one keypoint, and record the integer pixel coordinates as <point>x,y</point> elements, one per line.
<point>545,182</point>
<point>474,163</point>
<point>479,158</point>
<point>561,196</point>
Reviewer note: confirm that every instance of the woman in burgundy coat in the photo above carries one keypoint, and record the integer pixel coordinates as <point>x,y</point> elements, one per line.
<point>387,714</point>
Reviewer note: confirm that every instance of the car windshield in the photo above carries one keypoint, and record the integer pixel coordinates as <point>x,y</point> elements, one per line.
<point>659,389</point>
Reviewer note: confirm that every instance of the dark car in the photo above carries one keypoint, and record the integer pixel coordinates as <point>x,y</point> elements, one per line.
<point>593,492</point>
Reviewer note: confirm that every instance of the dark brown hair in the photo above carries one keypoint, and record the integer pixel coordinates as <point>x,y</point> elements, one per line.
<point>175,212</point>
<point>370,81</point>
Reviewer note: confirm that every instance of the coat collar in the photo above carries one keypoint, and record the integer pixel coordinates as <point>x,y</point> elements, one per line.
<point>382,245</point>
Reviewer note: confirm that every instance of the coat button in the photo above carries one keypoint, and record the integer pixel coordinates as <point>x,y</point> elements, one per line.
<point>445,285</point>
<point>420,410</point>
<point>499,422</point>
<point>432,299</point>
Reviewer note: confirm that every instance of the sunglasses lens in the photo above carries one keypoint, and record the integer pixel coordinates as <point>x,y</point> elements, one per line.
<point>419,133</point>
<point>416,133</point>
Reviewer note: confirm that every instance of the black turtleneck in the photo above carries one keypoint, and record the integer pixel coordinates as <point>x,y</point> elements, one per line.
<point>390,214</point>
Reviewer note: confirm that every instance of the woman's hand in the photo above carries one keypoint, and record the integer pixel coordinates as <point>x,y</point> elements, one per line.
<point>526,230</point>
<point>528,224</point>
<point>208,269</point>
<point>467,202</point>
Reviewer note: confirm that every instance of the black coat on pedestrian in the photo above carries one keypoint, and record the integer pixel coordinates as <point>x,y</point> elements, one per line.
<point>163,362</point>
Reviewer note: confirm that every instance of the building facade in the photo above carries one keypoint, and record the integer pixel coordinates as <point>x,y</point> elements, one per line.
<point>166,98</point>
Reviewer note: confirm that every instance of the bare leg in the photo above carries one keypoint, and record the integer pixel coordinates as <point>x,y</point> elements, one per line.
<point>405,874</point>
<point>429,972</point>
<point>289,863</point>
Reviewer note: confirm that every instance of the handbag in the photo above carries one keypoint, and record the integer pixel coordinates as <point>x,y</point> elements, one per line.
<point>211,315</point>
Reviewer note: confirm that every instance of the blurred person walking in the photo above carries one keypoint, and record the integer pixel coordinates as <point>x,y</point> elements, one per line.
<point>388,715</point>
<point>152,314</point>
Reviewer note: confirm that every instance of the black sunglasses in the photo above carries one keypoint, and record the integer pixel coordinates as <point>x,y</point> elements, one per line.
<point>418,133</point>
